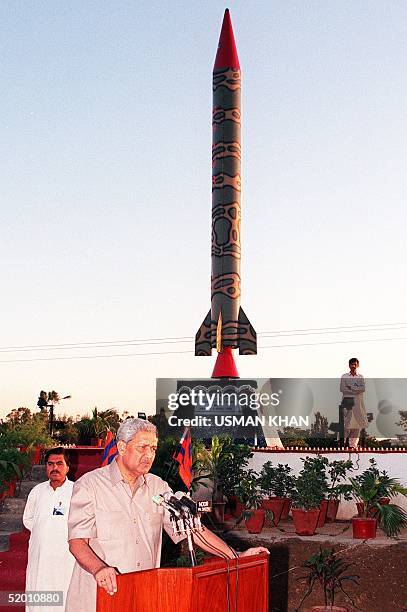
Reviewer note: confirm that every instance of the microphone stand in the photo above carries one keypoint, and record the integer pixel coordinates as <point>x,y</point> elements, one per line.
<point>191,549</point>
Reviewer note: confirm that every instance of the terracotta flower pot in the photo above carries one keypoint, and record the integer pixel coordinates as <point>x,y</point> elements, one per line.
<point>276,505</point>
<point>12,488</point>
<point>239,508</point>
<point>383,501</point>
<point>305,521</point>
<point>255,523</point>
<point>218,512</point>
<point>332,510</point>
<point>364,528</point>
<point>230,507</point>
<point>36,455</point>
<point>323,507</point>
<point>286,508</point>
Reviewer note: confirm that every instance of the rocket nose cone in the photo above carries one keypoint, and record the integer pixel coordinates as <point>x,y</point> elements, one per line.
<point>226,56</point>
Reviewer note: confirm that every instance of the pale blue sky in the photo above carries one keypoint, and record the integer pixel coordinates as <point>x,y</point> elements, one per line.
<point>106,176</point>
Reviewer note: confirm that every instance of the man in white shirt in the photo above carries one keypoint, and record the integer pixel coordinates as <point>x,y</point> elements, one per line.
<point>50,563</point>
<point>352,388</point>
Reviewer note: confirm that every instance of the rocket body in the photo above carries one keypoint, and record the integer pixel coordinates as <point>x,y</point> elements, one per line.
<point>226,325</point>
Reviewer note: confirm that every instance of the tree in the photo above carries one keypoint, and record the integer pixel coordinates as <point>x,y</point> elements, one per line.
<point>403,419</point>
<point>319,429</point>
<point>22,427</point>
<point>18,416</point>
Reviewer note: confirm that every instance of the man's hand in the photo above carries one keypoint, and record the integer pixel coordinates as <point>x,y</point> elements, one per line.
<point>254,551</point>
<point>106,578</point>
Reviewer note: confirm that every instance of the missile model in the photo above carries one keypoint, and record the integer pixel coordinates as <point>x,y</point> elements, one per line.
<point>226,326</point>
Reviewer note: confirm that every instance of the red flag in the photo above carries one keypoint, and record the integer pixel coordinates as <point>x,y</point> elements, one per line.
<point>184,457</point>
<point>110,451</point>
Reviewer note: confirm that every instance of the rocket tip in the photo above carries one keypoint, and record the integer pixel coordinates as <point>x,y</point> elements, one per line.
<point>226,56</point>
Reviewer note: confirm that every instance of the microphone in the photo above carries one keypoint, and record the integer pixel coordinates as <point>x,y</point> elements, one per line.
<point>187,502</point>
<point>160,501</point>
<point>172,501</point>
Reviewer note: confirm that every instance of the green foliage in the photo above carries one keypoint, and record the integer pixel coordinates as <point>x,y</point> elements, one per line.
<point>248,491</point>
<point>223,463</point>
<point>97,425</point>
<point>386,486</point>
<point>26,429</point>
<point>184,560</point>
<point>20,429</point>
<point>403,419</point>
<point>326,569</point>
<point>319,429</point>
<point>85,429</point>
<point>13,465</point>
<point>276,481</point>
<point>392,519</point>
<point>337,471</point>
<point>65,431</point>
<point>311,485</point>
<point>369,487</point>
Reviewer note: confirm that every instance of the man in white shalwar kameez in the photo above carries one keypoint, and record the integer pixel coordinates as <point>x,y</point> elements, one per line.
<point>50,563</point>
<point>355,418</point>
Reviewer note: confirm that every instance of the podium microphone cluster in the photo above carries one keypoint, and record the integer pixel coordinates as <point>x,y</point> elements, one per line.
<point>184,516</point>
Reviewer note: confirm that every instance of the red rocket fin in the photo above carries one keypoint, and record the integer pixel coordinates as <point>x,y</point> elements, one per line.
<point>226,56</point>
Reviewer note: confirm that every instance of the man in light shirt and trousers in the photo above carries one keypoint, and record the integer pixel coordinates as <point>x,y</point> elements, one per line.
<point>352,388</point>
<point>50,563</point>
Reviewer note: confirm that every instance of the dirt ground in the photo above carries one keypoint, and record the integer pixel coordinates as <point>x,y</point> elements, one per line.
<point>382,571</point>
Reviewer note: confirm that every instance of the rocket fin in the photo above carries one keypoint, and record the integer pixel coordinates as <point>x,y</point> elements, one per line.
<point>203,338</point>
<point>247,335</point>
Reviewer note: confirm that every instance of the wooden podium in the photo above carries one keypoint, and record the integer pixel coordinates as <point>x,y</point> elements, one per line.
<point>196,589</point>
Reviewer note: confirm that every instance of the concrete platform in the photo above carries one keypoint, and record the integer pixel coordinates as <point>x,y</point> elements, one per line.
<point>339,532</point>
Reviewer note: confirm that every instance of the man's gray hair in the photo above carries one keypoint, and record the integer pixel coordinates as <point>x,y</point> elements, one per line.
<point>130,427</point>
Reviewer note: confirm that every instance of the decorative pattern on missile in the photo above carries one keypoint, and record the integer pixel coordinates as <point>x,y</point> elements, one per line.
<point>226,319</point>
<point>226,230</point>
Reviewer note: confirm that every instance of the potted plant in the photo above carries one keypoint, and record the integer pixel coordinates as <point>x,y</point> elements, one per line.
<point>92,430</point>
<point>216,464</point>
<point>309,490</point>
<point>368,490</point>
<point>320,465</point>
<point>234,460</point>
<point>10,472</point>
<point>387,487</point>
<point>337,471</point>
<point>276,483</point>
<point>248,492</point>
<point>329,571</point>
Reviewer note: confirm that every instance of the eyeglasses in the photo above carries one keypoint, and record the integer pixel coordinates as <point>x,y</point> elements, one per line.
<point>145,448</point>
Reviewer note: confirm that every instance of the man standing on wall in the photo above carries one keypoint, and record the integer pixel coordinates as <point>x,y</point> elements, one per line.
<point>353,388</point>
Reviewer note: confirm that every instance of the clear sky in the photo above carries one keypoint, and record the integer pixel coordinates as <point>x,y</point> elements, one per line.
<point>105,189</point>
